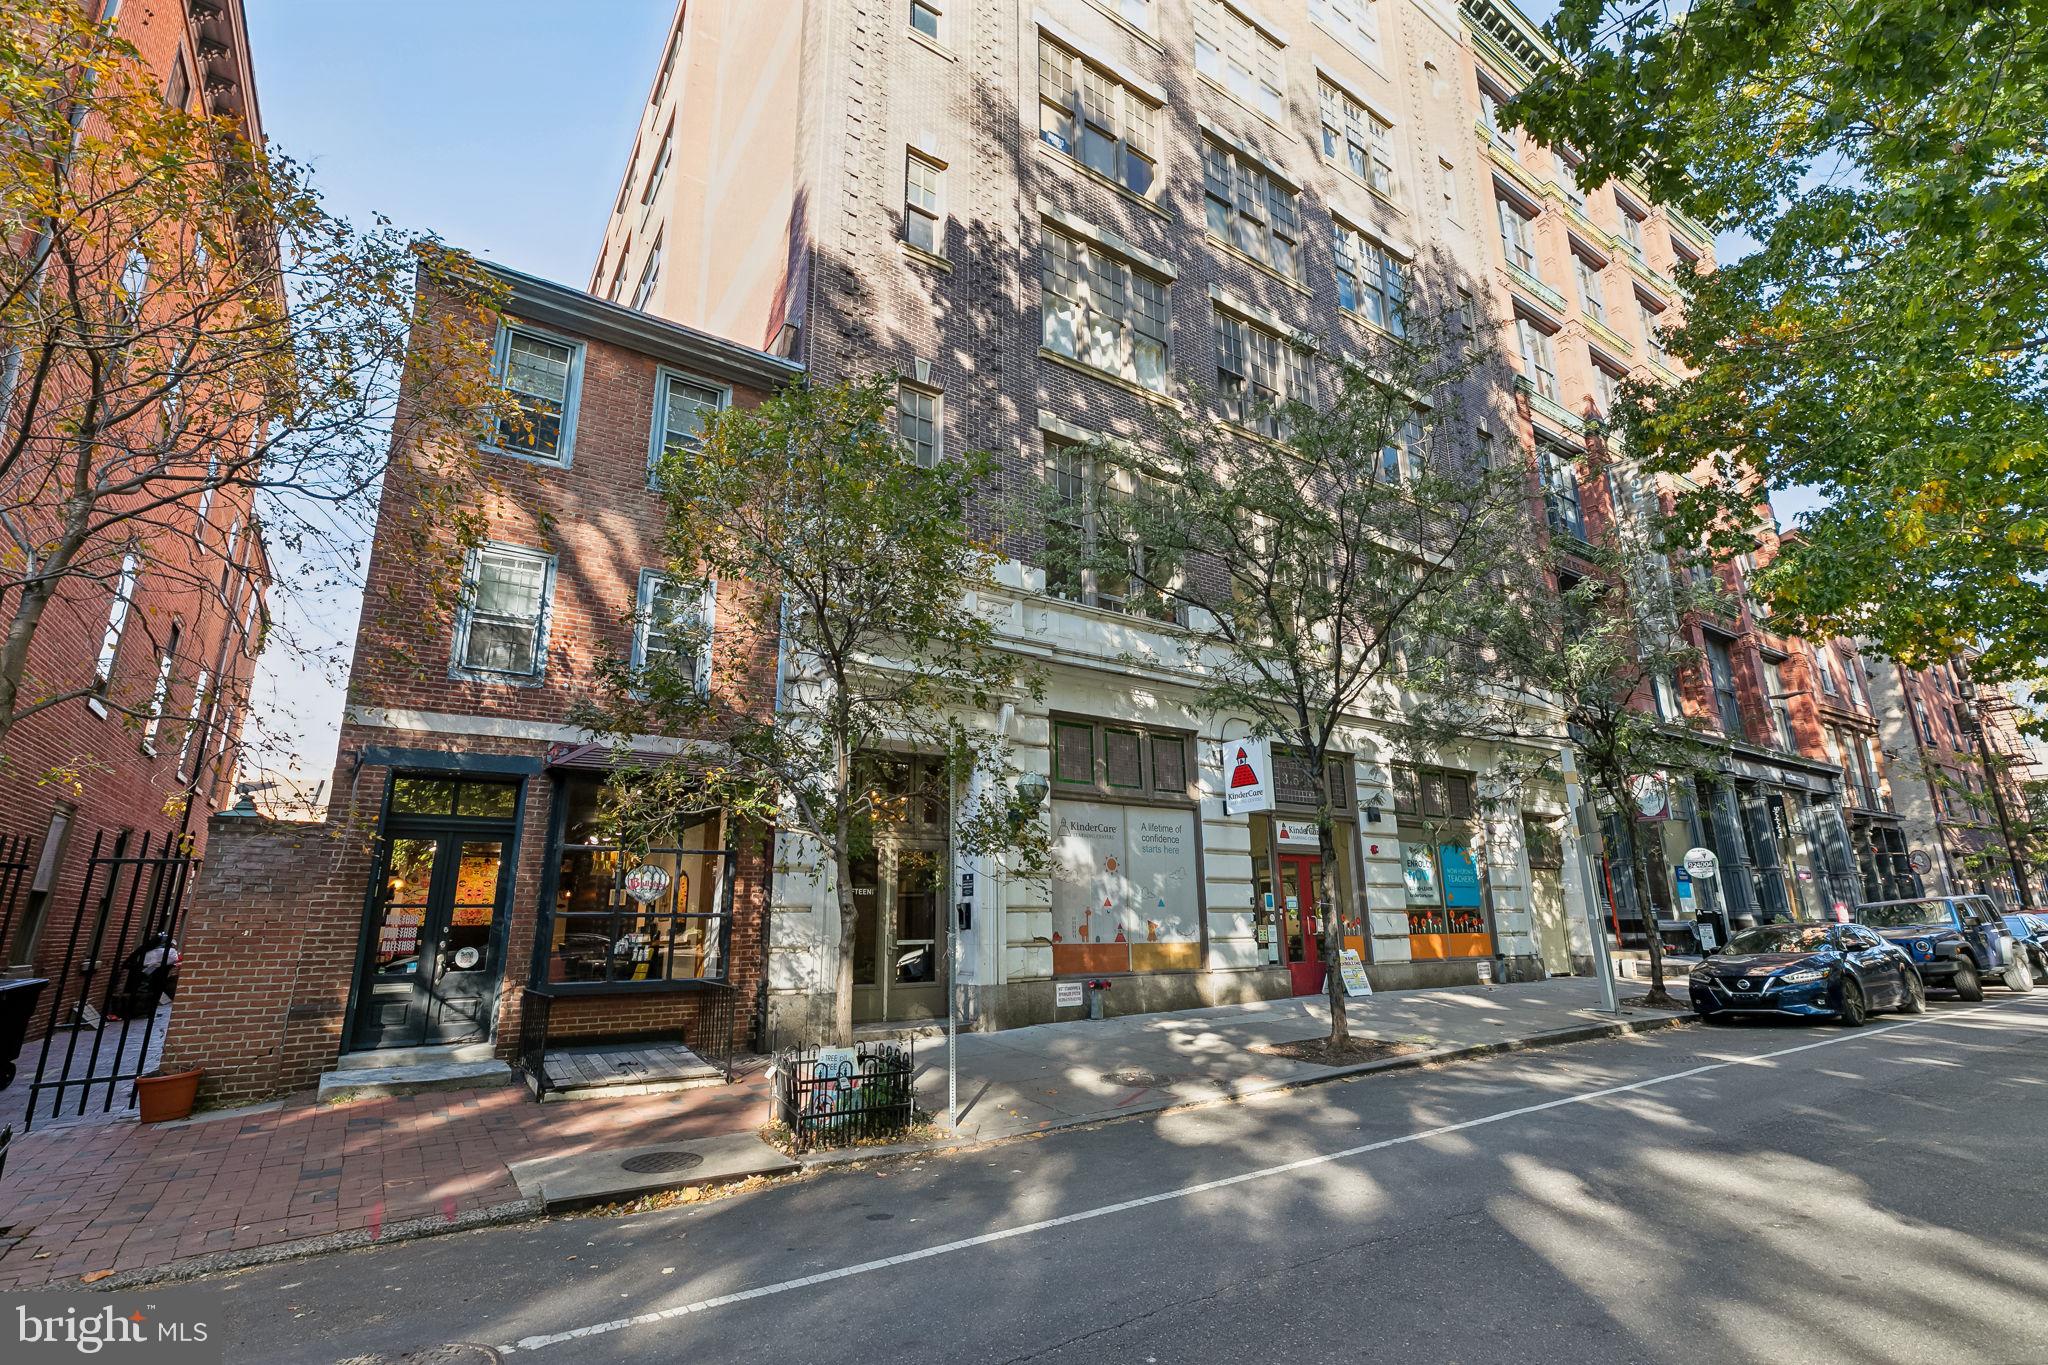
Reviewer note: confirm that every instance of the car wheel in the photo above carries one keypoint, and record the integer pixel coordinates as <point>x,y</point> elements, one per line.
<point>1968,985</point>
<point>2020,975</point>
<point>1916,992</point>
<point>1852,1013</point>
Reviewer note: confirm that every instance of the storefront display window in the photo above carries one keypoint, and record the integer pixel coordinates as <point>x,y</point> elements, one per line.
<point>626,917</point>
<point>1126,888</point>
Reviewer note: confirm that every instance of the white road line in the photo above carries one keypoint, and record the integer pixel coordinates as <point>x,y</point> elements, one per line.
<point>597,1329</point>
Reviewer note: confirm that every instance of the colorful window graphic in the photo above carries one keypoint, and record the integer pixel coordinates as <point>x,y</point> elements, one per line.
<point>1125,892</point>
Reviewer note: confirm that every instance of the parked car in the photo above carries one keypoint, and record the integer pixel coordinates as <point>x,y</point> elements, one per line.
<point>2032,933</point>
<point>1826,971</point>
<point>1957,942</point>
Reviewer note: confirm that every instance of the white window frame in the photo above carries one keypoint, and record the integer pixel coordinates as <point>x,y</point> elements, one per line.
<point>937,10</point>
<point>117,625</point>
<point>913,210</point>
<point>1376,273</point>
<point>1090,260</point>
<point>1263,91</point>
<point>472,577</point>
<point>1340,114</point>
<point>1490,100</point>
<point>1126,117</point>
<point>160,692</point>
<point>643,622</point>
<point>1592,288</point>
<point>1650,318</point>
<point>1538,350</point>
<point>656,177</point>
<point>1631,224</point>
<point>1562,488</point>
<point>657,436</point>
<point>200,687</point>
<point>905,389</point>
<point>1517,236</point>
<point>650,275</point>
<point>1271,370</point>
<point>1093,487</point>
<point>1354,23</point>
<point>1255,198</point>
<point>565,442</point>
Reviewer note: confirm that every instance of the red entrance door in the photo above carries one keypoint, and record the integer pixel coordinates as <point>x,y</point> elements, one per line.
<point>1301,909</point>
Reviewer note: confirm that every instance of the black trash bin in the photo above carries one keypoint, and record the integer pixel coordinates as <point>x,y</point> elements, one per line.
<point>17,1006</point>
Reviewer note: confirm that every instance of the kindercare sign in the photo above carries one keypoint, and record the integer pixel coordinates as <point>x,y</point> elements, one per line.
<point>1702,864</point>
<point>646,882</point>
<point>1247,775</point>
<point>1297,834</point>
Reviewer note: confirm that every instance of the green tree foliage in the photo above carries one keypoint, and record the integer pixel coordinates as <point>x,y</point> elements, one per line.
<point>1342,573</point>
<point>828,536</point>
<point>1885,342</point>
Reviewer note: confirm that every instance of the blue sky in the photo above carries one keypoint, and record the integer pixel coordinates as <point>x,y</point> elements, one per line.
<point>501,126</point>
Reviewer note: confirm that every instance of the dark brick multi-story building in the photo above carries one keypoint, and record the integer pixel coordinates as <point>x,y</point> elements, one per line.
<point>460,860</point>
<point>153,642</point>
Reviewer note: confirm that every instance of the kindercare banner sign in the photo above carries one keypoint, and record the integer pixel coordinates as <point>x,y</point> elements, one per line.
<point>159,1326</point>
<point>1247,775</point>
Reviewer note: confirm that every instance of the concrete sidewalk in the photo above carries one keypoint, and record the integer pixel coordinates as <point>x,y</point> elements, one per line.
<point>126,1201</point>
<point>1048,1076</point>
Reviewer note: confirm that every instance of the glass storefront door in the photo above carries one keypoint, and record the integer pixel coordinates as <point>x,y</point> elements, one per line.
<point>431,972</point>
<point>900,934</point>
<point>1303,902</point>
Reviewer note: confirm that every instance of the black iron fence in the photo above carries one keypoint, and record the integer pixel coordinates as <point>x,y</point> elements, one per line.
<point>102,1001</point>
<point>837,1095</point>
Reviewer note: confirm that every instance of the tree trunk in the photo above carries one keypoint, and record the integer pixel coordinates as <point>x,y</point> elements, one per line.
<point>1639,869</point>
<point>1332,929</point>
<point>842,868</point>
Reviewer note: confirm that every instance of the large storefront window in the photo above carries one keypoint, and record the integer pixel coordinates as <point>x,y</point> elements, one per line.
<point>1126,890</point>
<point>622,917</point>
<point>1446,902</point>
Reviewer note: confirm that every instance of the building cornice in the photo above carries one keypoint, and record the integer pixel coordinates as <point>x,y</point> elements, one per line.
<point>548,303</point>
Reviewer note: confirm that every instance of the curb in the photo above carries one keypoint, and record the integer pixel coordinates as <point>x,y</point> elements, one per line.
<point>1562,1037</point>
<point>530,1210</point>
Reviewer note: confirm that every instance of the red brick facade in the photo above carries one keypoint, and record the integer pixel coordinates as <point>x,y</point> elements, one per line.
<point>278,918</point>
<point>80,769</point>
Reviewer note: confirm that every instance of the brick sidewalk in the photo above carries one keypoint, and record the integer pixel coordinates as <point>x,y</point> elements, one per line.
<point>118,1197</point>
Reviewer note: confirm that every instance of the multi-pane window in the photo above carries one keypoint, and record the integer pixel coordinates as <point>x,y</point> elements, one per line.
<point>1539,359</point>
<point>1605,389</point>
<point>1490,101</point>
<point>502,626</point>
<point>650,276</point>
<point>1592,296</point>
<point>923,219</point>
<point>1354,23</point>
<point>1824,669</point>
<point>1664,691</point>
<point>1356,138</point>
<point>201,687</point>
<point>1257,372</point>
<point>1371,281</point>
<point>1721,676</point>
<point>1401,457</point>
<point>1776,695</point>
<point>1852,682</point>
<point>539,374</point>
<point>1651,318</point>
<point>618,284</point>
<point>1232,51</point>
<point>925,18</point>
<point>659,174</point>
<point>1096,119</point>
<point>1561,490</point>
<point>153,720</point>
<point>1102,311</point>
<point>1136,13</point>
<point>681,405</point>
<point>178,91</point>
<point>672,619</point>
<point>1079,566</point>
<point>1568,180</point>
<point>1250,208</point>
<point>917,422</point>
<point>1631,223</point>
<point>1517,236</point>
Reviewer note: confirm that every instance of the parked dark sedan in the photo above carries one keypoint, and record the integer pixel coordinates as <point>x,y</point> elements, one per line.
<point>2031,931</point>
<point>1819,971</point>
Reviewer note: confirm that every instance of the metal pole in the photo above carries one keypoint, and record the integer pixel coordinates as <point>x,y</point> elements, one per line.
<point>1991,777</point>
<point>952,1009</point>
<point>1589,839</point>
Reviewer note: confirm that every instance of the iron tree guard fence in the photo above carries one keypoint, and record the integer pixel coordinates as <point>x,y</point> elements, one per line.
<point>832,1096</point>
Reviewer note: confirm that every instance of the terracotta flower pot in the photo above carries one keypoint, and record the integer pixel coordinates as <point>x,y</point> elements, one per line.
<point>162,1098</point>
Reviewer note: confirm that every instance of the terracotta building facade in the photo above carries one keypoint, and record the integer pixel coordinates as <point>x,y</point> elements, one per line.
<point>462,860</point>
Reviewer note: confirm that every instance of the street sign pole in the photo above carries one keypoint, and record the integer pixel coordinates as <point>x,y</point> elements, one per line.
<point>1589,843</point>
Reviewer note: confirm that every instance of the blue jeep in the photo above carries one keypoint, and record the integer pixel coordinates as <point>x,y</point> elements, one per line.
<point>1958,942</point>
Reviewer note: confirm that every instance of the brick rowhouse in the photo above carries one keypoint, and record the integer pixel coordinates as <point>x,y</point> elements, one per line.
<point>82,771</point>
<point>456,866</point>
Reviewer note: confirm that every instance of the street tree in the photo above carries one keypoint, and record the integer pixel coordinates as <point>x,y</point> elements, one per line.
<point>1884,343</point>
<point>1330,558</point>
<point>204,377</point>
<point>864,564</point>
<point>1593,655</point>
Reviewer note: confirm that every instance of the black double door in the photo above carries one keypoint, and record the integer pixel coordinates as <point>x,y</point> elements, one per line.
<point>435,948</point>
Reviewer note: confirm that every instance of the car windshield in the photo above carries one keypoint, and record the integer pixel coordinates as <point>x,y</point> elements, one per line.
<point>1780,938</point>
<point>1903,914</point>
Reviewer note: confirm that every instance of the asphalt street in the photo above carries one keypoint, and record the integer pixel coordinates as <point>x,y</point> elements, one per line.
<point>1771,1193</point>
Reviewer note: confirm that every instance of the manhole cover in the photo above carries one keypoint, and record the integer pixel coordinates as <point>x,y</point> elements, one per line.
<point>1144,1080</point>
<point>659,1163</point>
